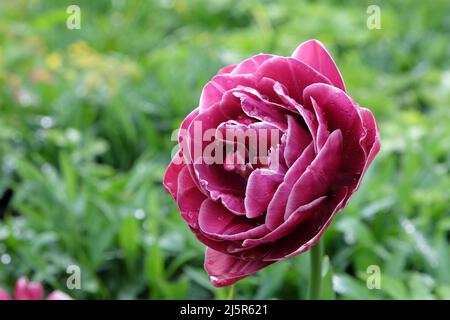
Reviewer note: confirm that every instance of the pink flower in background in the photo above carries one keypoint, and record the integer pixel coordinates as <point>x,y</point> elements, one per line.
<point>26,290</point>
<point>251,211</point>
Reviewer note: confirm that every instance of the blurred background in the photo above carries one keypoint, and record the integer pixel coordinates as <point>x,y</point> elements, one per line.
<point>85,123</point>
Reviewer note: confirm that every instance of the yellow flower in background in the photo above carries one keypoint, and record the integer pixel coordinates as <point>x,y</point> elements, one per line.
<point>79,47</point>
<point>94,71</point>
<point>53,61</point>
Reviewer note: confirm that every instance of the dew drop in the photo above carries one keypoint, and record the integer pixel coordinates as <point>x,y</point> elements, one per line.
<point>139,214</point>
<point>5,259</point>
<point>46,122</point>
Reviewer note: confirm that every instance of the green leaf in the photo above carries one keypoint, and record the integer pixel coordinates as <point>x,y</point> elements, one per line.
<point>443,292</point>
<point>394,287</point>
<point>352,288</point>
<point>69,176</point>
<point>129,238</point>
<point>154,270</point>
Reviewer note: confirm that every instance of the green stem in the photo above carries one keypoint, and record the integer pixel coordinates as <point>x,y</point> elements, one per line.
<point>315,271</point>
<point>231,293</point>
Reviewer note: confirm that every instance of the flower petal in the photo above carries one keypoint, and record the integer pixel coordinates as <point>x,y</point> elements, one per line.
<point>58,295</point>
<point>297,140</point>
<point>219,223</point>
<point>184,141</point>
<point>340,112</point>
<point>21,289</point>
<point>35,291</point>
<point>309,232</point>
<point>256,138</point>
<point>215,244</point>
<point>263,110</point>
<point>295,75</point>
<point>170,180</point>
<point>261,186</point>
<point>276,158</point>
<point>306,114</point>
<point>277,206</point>
<point>4,295</point>
<point>233,203</point>
<point>317,179</point>
<point>298,216</point>
<point>189,198</point>
<point>314,54</point>
<point>211,175</point>
<point>214,90</point>
<point>250,65</point>
<point>224,270</point>
<point>371,141</point>
<point>322,129</point>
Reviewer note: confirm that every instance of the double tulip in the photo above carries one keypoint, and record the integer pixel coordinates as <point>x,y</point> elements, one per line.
<point>252,209</point>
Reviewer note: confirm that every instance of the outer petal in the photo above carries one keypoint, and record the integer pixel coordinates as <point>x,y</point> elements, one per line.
<point>184,133</point>
<point>224,270</point>
<point>214,90</point>
<point>340,112</point>
<point>221,246</point>
<point>189,198</point>
<point>314,54</point>
<point>309,232</point>
<point>250,65</point>
<point>371,141</point>
<point>170,180</point>
<point>295,75</point>
<point>184,142</point>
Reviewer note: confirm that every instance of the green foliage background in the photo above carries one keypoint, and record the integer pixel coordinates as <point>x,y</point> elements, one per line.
<point>86,118</point>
